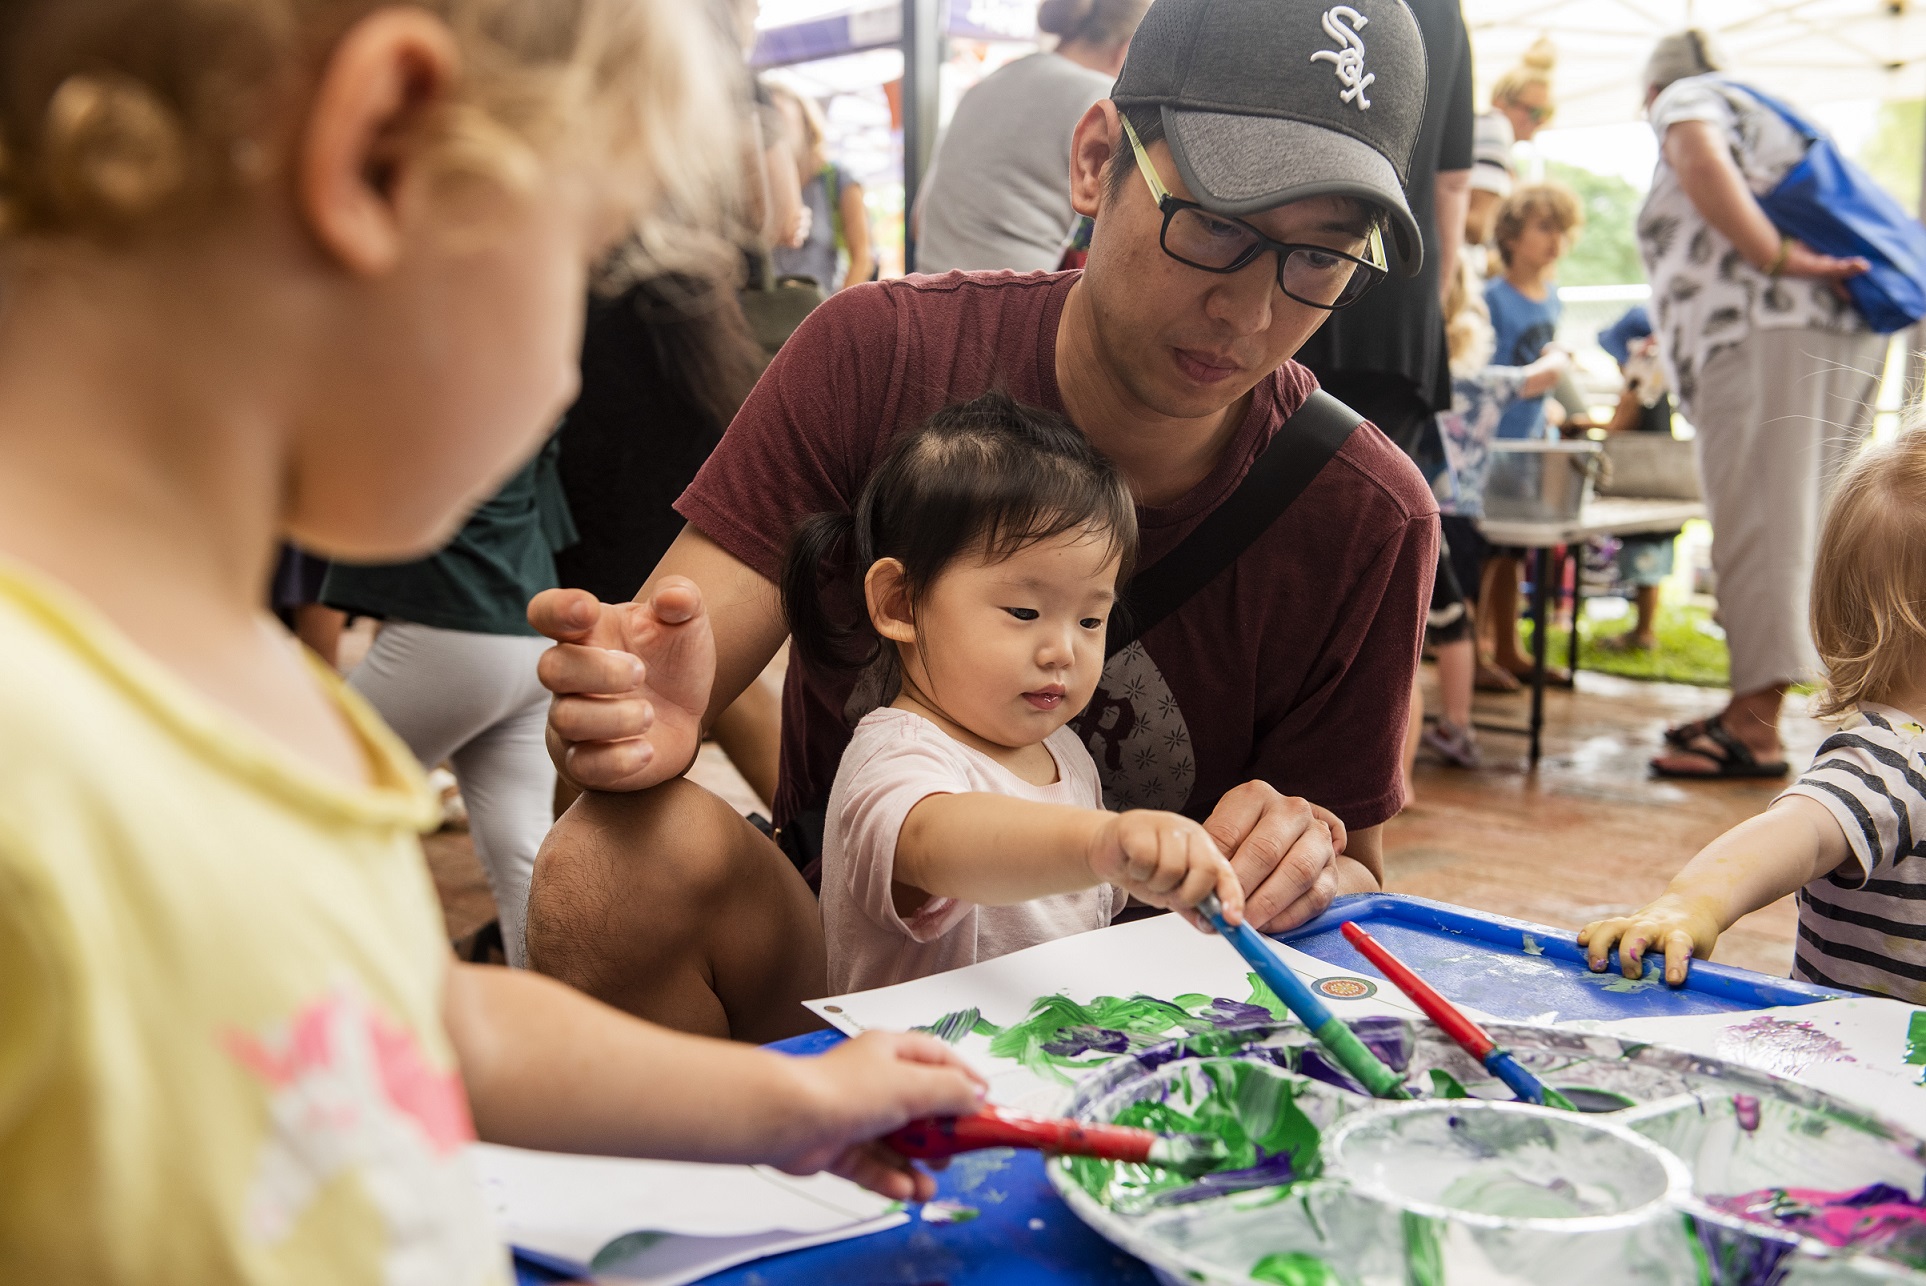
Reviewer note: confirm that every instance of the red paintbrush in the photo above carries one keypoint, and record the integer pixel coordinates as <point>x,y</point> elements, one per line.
<point>1471,1038</point>
<point>936,1137</point>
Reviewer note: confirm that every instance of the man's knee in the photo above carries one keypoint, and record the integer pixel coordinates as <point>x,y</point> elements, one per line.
<point>621,880</point>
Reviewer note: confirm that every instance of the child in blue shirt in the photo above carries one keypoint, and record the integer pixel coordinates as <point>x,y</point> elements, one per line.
<point>1536,227</point>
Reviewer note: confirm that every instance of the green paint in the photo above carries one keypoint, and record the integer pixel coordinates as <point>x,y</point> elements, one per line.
<point>1293,1269</point>
<point>1445,1085</point>
<point>1626,986</point>
<point>1531,946</point>
<point>951,1028</point>
<point>1916,1042</point>
<point>949,1212</point>
<point>1059,1033</point>
<point>1554,1099</point>
<point>1250,1106</point>
<point>1359,1061</point>
<point>1423,1256</point>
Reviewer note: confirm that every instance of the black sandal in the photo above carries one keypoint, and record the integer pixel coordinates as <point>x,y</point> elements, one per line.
<point>1687,733</point>
<point>1735,761</point>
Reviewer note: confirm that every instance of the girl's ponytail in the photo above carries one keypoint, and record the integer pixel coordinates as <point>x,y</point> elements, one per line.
<point>822,559</point>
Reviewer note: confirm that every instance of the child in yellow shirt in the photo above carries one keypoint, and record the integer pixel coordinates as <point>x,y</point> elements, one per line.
<point>291,269</point>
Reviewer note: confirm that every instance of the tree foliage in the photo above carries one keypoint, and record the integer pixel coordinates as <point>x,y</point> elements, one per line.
<point>1606,253</point>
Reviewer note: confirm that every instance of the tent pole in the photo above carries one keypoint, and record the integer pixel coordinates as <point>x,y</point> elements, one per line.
<point>922,71</point>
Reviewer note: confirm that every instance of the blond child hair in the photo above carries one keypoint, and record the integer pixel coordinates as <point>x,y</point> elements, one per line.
<point>1552,202</point>
<point>1869,579</point>
<point>312,269</point>
<point>1468,334</point>
<point>125,117</point>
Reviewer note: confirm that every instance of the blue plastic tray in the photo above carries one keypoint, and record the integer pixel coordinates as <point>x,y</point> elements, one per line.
<point>1026,1236</point>
<point>1515,969</point>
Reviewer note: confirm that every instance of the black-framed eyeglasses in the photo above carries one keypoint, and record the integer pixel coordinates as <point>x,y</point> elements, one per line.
<point>1315,275</point>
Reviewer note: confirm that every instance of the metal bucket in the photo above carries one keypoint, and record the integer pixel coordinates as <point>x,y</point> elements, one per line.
<point>1539,481</point>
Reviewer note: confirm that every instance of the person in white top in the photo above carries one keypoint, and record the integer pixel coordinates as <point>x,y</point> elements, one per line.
<point>977,574</point>
<point>1846,837</point>
<point>1773,368</point>
<point>998,191</point>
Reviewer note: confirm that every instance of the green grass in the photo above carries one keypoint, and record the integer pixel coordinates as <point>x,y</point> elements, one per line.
<point>1685,652</point>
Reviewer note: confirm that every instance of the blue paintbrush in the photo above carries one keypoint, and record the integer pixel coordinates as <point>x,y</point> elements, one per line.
<point>1343,1043</point>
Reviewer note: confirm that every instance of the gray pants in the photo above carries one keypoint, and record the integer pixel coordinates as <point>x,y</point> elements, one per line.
<point>474,700</point>
<point>1778,415</point>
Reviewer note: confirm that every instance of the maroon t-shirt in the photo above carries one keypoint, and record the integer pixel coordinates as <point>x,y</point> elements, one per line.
<point>1292,667</point>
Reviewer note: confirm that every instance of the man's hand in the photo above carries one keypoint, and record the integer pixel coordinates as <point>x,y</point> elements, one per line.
<point>1285,852</point>
<point>631,683</point>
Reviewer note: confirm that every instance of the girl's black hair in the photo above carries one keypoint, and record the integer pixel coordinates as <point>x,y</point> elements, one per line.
<point>990,475</point>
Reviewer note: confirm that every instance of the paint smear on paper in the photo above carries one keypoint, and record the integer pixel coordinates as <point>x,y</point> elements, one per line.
<point>1060,1034</point>
<point>1779,1045</point>
<point>1879,1217</point>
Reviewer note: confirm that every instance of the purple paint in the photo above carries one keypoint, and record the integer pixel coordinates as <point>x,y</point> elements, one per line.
<point>1878,1217</point>
<point>1779,1045</point>
<point>1746,1108</point>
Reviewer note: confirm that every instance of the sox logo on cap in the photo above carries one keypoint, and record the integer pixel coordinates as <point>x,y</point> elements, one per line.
<point>1347,61</point>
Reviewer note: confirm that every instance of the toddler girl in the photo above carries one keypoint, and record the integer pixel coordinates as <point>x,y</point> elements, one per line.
<point>308,270</point>
<point>1844,837</point>
<point>966,820</point>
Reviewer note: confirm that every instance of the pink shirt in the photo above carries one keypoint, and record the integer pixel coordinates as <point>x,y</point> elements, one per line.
<point>895,761</point>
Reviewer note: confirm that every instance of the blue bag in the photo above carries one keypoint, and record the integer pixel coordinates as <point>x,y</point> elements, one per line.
<point>1838,209</point>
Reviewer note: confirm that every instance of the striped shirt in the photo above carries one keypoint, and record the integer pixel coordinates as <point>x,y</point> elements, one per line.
<point>1863,927</point>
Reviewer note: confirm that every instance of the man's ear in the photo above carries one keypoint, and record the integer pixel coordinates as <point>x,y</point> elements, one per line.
<point>362,145</point>
<point>886,591</point>
<point>1098,136</point>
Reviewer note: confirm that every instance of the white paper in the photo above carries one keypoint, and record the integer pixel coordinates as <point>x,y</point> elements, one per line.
<point>1162,957</point>
<point>1854,1049</point>
<point>572,1207</point>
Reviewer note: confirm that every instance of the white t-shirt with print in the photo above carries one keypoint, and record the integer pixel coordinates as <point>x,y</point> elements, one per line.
<point>894,762</point>
<point>1705,296</point>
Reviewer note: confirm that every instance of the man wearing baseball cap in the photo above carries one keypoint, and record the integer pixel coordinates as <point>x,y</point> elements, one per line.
<point>1243,179</point>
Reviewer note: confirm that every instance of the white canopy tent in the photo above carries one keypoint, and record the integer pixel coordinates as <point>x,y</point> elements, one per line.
<point>1808,51</point>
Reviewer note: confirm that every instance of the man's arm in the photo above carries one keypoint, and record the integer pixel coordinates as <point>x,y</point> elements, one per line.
<point>637,684</point>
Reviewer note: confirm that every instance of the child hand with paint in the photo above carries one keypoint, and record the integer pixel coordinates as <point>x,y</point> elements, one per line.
<point>974,580</point>
<point>1845,835</point>
<point>288,269</point>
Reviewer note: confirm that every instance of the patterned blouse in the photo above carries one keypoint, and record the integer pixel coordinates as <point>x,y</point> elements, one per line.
<point>1705,296</point>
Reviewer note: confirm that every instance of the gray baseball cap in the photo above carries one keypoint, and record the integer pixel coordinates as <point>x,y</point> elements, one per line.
<point>1265,102</point>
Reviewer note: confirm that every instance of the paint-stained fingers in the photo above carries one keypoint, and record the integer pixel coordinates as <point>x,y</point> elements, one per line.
<point>1678,956</point>
<point>1631,952</point>
<point>1598,938</point>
